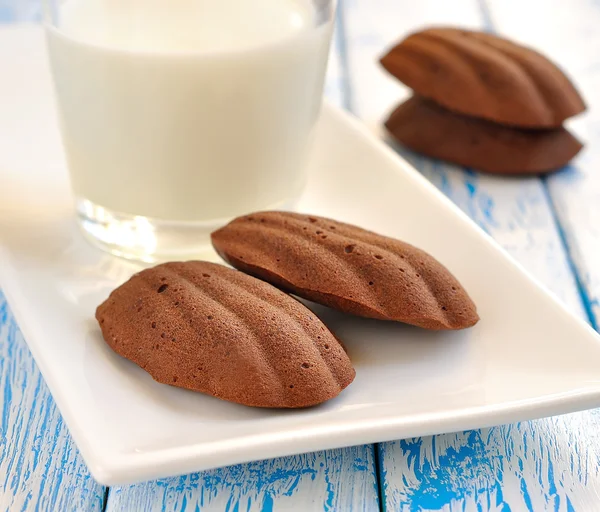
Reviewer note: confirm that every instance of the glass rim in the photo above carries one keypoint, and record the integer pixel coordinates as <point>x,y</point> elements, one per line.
<point>325,11</point>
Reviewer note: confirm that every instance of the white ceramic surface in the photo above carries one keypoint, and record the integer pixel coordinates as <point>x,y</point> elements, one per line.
<point>528,357</point>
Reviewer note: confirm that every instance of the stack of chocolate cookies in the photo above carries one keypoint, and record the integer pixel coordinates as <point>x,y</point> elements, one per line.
<point>482,101</point>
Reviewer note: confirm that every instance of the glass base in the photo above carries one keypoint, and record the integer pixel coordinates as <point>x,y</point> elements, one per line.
<point>143,238</point>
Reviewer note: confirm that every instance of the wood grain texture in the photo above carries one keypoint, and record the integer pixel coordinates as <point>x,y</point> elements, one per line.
<point>40,467</point>
<point>544,465</point>
<point>549,464</point>
<point>571,37</point>
<point>334,480</point>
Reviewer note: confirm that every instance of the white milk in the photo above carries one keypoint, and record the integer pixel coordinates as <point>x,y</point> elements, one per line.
<point>187,110</point>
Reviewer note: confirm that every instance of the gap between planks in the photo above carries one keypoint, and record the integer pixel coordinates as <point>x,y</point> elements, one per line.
<point>491,26</point>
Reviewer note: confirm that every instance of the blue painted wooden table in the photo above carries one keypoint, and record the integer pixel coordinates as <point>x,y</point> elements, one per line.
<point>547,224</point>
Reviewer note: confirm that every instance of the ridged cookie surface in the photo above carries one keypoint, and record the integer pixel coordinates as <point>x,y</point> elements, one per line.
<point>486,76</point>
<point>208,328</point>
<point>346,268</point>
<point>436,132</point>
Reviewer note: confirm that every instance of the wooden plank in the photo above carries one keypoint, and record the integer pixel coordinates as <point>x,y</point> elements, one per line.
<point>40,467</point>
<point>331,480</point>
<point>550,464</point>
<point>570,36</point>
<point>527,466</point>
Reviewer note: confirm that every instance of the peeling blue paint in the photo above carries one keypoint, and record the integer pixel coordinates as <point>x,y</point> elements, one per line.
<point>525,493</point>
<point>39,467</point>
<point>450,475</point>
<point>435,486</point>
<point>268,504</point>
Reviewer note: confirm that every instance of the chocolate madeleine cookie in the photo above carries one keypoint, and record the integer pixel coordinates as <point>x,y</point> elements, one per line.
<point>208,328</point>
<point>436,132</point>
<point>486,76</point>
<point>346,268</point>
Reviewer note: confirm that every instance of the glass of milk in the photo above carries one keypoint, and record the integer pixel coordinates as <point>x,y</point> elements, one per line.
<point>178,115</point>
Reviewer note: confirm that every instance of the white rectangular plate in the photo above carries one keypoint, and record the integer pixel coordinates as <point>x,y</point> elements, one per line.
<point>528,357</point>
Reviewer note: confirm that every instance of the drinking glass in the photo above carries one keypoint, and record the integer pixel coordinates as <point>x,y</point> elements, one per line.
<point>178,116</point>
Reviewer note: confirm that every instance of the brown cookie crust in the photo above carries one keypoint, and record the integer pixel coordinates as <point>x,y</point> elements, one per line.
<point>208,328</point>
<point>347,268</point>
<point>433,131</point>
<point>485,76</point>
